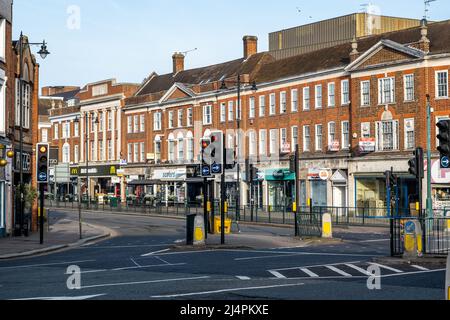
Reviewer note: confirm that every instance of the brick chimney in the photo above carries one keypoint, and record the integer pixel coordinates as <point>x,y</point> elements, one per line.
<point>178,62</point>
<point>355,53</point>
<point>424,43</point>
<point>250,46</point>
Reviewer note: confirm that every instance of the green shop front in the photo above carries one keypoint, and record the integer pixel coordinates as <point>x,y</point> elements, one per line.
<point>280,185</point>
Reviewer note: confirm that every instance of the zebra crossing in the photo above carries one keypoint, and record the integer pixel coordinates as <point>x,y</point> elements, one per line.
<point>347,270</point>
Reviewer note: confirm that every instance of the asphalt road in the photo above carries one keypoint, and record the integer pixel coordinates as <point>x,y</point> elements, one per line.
<point>139,265</point>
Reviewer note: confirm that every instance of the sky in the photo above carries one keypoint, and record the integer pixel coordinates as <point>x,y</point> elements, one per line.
<point>93,40</point>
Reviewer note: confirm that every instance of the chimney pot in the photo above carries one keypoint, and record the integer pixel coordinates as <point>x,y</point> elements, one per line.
<point>250,46</point>
<point>178,62</point>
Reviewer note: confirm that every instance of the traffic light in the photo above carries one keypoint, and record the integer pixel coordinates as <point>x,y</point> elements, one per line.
<point>292,166</point>
<point>231,159</point>
<point>444,143</point>
<point>42,162</point>
<point>413,167</point>
<point>216,151</point>
<point>206,157</point>
<point>254,173</point>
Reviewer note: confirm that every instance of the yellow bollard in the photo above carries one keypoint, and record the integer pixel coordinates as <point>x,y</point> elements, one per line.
<point>327,228</point>
<point>226,207</point>
<point>208,206</point>
<point>294,207</point>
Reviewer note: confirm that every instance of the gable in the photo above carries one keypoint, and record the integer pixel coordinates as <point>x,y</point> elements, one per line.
<point>177,94</point>
<point>386,55</point>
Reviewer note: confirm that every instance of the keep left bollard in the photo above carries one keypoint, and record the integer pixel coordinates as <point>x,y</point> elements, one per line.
<point>327,228</point>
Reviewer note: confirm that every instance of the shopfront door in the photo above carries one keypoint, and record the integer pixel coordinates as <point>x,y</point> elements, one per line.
<point>339,200</point>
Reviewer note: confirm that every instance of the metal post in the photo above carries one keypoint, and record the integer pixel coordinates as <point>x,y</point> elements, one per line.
<point>87,161</point>
<point>429,199</point>
<point>297,188</point>
<point>41,217</point>
<point>22,197</point>
<point>223,197</point>
<point>212,202</point>
<point>238,120</point>
<point>205,201</point>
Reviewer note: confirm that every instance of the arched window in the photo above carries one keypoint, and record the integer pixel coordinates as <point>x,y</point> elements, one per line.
<point>158,148</point>
<point>190,146</point>
<point>171,145</point>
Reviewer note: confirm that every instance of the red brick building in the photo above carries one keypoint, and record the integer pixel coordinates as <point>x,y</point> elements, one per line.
<point>352,108</point>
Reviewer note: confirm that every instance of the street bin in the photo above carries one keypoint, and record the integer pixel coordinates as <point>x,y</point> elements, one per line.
<point>113,202</point>
<point>190,225</point>
<point>218,225</point>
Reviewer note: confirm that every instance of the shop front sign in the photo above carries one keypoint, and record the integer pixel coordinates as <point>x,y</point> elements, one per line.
<point>367,145</point>
<point>170,174</point>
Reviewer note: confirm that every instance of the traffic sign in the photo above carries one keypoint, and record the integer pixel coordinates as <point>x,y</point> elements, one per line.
<point>206,171</point>
<point>445,162</point>
<point>216,168</point>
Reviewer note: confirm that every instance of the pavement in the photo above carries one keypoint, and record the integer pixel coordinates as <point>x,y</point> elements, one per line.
<point>61,234</point>
<point>147,260</point>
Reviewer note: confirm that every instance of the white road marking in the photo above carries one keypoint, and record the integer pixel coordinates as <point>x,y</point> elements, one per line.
<point>142,282</point>
<point>243,278</point>
<point>318,265</point>
<point>290,254</point>
<point>378,240</point>
<point>137,264</point>
<point>277,274</point>
<point>153,253</point>
<point>225,290</point>
<point>309,273</point>
<point>149,266</point>
<point>48,264</point>
<point>387,268</point>
<point>62,298</point>
<point>359,269</point>
<point>343,273</point>
<point>420,268</point>
<point>129,246</point>
<point>162,260</point>
<point>179,241</point>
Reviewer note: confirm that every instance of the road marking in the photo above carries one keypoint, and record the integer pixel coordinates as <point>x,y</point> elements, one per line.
<point>156,252</point>
<point>137,264</point>
<point>309,273</point>
<point>142,282</point>
<point>62,298</point>
<point>387,268</point>
<point>243,278</point>
<point>128,246</point>
<point>225,290</point>
<point>277,274</point>
<point>48,264</point>
<point>378,240</point>
<point>359,269</point>
<point>345,274</point>
<point>302,254</point>
<point>162,260</point>
<point>420,268</point>
<point>318,266</point>
<point>149,266</point>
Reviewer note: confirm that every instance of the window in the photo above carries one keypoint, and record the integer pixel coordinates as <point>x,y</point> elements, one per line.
<point>26,106</point>
<point>44,137</point>
<point>410,141</point>
<point>136,124</point>
<point>386,90</point>
<point>294,100</point>
<point>190,119</point>
<point>93,124</point>
<point>110,120</point>
<point>66,153</point>
<point>93,155</point>
<point>272,108</point>
<point>142,122</point>
<point>207,114</point>
<point>331,95</point>
<point>365,130</point>
<point>142,146</point>
<point>110,150</point>
<point>409,87</point>
<point>252,108</point>
<point>223,112</point>
<point>273,144</point>
<point>100,121</point>
<point>252,143</point>
<point>319,96</point>
<point>319,137</point>
<point>99,90</point>
<point>190,149</point>
<point>180,149</point>
<point>262,106</point>
<point>294,139</point>
<point>180,118</point>
<point>365,93</point>
<point>100,147</point>
<point>331,133</point>
<point>231,111</point>
<point>283,107</point>
<point>76,129</point>
<point>263,142</point>
<point>345,95</point>
<point>170,119</point>
<point>130,153</point>
<point>306,99</point>
<point>157,150</point>
<point>283,137</point>
<point>306,138</point>
<point>3,39</point>
<point>239,110</point>
<point>442,84</point>
<point>157,119</point>
<point>136,153</point>
<point>56,131</point>
<point>171,150</point>
<point>345,135</point>
<point>76,154</point>
<point>66,130</point>
<point>387,135</point>
<point>130,124</point>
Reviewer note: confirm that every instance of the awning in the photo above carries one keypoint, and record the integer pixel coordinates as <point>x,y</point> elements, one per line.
<point>145,182</point>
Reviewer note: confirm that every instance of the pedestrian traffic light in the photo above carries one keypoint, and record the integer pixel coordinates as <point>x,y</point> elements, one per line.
<point>216,149</point>
<point>444,143</point>
<point>42,162</point>
<point>413,167</point>
<point>292,166</point>
<point>206,157</point>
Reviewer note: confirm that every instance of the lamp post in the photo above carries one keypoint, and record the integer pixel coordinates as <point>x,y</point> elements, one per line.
<point>87,146</point>
<point>43,52</point>
<point>254,88</point>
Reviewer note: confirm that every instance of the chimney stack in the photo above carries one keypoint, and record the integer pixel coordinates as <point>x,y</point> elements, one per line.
<point>355,53</point>
<point>178,62</point>
<point>250,46</point>
<point>424,43</point>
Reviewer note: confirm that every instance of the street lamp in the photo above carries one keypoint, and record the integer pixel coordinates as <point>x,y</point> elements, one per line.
<point>43,52</point>
<point>254,88</point>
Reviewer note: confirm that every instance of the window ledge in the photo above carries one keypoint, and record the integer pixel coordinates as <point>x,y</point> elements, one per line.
<point>441,98</point>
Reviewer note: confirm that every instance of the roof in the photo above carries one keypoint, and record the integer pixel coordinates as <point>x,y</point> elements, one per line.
<point>69,95</point>
<point>204,75</point>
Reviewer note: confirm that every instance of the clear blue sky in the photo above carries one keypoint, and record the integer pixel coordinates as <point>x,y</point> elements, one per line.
<point>128,39</point>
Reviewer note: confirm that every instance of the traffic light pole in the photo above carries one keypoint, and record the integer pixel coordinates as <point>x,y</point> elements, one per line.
<point>297,188</point>
<point>41,217</point>
<point>429,166</point>
<point>223,196</point>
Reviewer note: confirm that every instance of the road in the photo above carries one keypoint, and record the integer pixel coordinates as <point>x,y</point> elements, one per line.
<point>139,264</point>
